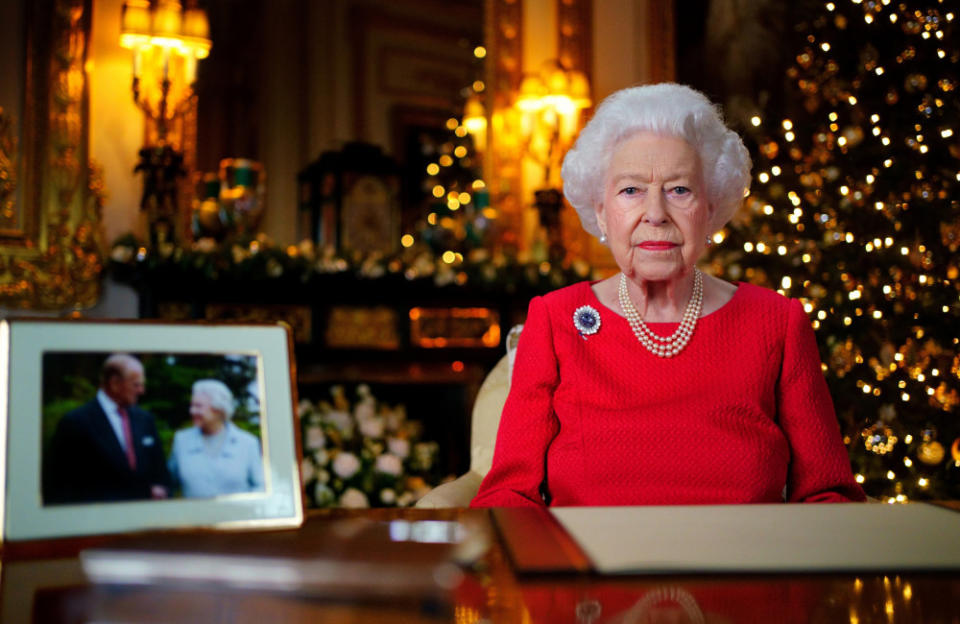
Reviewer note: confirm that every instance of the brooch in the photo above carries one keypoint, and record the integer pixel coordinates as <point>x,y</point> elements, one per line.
<point>586,320</point>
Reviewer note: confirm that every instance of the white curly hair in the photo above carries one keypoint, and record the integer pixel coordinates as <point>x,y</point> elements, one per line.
<point>665,108</point>
<point>221,399</point>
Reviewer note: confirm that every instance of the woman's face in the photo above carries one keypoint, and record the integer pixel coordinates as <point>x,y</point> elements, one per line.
<point>654,209</point>
<point>203,414</point>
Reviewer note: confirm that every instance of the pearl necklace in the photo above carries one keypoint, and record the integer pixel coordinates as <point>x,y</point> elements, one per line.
<point>661,346</point>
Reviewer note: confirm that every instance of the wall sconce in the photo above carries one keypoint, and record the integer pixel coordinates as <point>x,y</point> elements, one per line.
<point>550,103</point>
<point>166,42</point>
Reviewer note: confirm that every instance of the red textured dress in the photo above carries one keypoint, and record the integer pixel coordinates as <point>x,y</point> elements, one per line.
<point>741,415</point>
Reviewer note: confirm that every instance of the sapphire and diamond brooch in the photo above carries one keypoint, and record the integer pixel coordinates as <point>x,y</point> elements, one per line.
<point>587,320</point>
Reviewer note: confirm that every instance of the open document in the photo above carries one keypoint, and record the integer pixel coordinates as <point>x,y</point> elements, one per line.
<point>736,538</point>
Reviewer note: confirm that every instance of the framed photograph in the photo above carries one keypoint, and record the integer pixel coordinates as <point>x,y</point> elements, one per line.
<point>124,426</point>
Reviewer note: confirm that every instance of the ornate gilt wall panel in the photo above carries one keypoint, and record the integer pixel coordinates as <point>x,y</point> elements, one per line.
<point>50,245</point>
<point>575,36</point>
<point>8,173</point>
<point>504,42</point>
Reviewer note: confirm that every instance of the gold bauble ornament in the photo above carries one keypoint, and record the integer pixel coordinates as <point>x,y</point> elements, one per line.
<point>915,82</point>
<point>950,234</point>
<point>955,450</point>
<point>931,453</point>
<point>853,135</point>
<point>911,27</point>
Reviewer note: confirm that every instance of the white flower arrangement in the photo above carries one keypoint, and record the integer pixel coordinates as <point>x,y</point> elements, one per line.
<point>365,454</point>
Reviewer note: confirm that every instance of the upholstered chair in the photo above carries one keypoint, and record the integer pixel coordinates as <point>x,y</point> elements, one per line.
<point>485,419</point>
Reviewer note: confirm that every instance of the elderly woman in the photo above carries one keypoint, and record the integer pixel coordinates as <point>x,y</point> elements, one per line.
<point>214,456</point>
<point>662,385</point>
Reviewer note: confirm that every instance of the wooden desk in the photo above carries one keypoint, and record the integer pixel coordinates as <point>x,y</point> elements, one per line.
<point>54,590</point>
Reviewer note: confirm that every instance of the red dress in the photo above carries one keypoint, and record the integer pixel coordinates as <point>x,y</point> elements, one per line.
<point>741,415</point>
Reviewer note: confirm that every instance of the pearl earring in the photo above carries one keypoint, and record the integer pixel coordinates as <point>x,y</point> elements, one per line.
<point>603,238</point>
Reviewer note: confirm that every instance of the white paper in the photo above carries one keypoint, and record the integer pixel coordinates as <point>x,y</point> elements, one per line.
<point>765,538</point>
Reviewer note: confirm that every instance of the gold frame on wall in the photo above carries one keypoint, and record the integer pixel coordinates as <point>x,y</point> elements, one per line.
<point>51,245</point>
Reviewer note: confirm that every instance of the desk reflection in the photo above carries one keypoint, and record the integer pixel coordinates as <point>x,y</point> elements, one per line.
<point>55,590</point>
<point>785,600</point>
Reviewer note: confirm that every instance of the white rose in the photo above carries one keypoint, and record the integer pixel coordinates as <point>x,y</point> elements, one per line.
<point>321,457</point>
<point>315,438</point>
<point>399,447</point>
<point>353,498</point>
<point>304,407</point>
<point>341,420</point>
<point>388,496</point>
<point>364,410</point>
<point>372,427</point>
<point>346,465</point>
<point>390,464</point>
<point>306,467</point>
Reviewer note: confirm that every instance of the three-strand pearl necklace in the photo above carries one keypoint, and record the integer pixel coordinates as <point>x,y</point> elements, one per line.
<point>664,346</point>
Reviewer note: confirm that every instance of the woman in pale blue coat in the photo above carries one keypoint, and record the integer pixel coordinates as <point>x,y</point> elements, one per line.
<point>215,457</point>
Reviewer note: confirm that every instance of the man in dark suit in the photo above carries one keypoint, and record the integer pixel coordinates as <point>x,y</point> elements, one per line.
<point>107,449</point>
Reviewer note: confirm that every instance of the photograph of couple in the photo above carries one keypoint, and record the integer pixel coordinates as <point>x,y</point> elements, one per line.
<point>119,427</point>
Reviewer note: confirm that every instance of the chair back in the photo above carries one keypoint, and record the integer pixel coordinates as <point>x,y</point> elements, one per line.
<point>485,418</point>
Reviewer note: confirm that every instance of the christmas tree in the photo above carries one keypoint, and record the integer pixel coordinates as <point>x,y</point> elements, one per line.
<point>855,210</point>
<point>457,214</point>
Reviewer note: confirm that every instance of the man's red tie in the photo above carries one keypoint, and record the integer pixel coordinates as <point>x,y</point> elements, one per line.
<point>128,438</point>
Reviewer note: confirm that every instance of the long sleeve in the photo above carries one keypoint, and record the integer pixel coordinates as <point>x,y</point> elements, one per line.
<point>528,424</point>
<point>819,465</point>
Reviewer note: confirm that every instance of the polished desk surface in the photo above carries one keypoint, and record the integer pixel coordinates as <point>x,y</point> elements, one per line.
<point>43,585</point>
